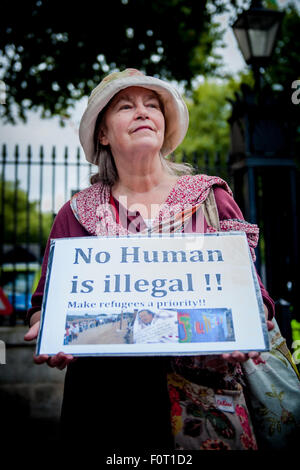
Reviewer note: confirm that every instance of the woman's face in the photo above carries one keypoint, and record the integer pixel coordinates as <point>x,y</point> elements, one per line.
<point>133,121</point>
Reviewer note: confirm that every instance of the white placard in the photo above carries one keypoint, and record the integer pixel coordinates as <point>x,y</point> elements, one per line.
<point>185,294</point>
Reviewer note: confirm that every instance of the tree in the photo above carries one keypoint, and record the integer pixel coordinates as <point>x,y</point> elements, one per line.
<point>24,222</point>
<point>209,110</point>
<point>55,52</point>
<point>284,67</point>
<point>284,70</point>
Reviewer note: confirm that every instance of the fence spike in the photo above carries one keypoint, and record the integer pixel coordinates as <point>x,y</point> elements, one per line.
<point>53,155</point>
<point>66,174</point>
<point>195,161</point>
<point>78,167</point>
<point>41,154</point>
<point>227,161</point>
<point>4,152</point>
<point>53,180</point>
<point>217,158</point>
<point>17,154</point>
<point>29,154</point>
<point>206,160</point>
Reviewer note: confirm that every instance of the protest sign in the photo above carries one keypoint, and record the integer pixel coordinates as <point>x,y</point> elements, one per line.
<point>159,295</point>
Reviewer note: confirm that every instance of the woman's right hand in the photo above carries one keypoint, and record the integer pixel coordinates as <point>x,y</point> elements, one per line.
<point>60,360</point>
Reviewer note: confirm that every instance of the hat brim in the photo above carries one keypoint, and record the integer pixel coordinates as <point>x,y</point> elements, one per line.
<point>175,112</point>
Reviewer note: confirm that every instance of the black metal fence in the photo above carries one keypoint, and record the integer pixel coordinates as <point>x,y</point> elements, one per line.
<point>34,184</point>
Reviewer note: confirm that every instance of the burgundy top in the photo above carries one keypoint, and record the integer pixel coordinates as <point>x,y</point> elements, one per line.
<point>66,225</point>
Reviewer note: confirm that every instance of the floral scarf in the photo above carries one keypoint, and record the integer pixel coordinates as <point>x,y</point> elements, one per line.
<point>93,210</point>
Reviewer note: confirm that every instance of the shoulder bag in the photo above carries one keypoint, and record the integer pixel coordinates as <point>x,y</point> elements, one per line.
<point>273,383</point>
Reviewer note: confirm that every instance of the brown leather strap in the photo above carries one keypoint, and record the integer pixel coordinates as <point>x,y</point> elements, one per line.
<point>210,211</point>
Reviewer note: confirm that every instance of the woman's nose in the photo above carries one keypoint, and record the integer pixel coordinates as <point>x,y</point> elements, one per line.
<point>141,111</point>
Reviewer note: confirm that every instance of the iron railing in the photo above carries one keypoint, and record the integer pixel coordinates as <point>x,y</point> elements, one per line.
<point>34,185</point>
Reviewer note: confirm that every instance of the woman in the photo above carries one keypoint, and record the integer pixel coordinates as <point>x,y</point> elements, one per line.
<point>132,122</point>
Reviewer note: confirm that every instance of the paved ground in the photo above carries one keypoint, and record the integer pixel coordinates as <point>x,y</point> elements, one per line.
<point>103,334</point>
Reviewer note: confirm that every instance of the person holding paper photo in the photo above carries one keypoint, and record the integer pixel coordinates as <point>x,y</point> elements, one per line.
<point>131,125</point>
<point>159,327</point>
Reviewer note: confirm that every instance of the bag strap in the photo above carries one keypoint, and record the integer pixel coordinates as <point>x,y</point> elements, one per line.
<point>210,211</point>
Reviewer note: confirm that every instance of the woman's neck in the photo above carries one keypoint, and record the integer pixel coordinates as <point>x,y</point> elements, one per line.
<point>141,175</point>
<point>144,192</point>
<point>135,185</point>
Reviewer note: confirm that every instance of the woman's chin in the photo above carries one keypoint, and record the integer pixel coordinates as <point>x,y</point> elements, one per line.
<point>146,146</point>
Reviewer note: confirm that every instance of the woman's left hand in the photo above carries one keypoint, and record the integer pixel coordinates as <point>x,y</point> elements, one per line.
<point>238,356</point>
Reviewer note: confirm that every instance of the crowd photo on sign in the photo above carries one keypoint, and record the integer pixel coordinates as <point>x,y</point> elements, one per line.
<point>147,326</point>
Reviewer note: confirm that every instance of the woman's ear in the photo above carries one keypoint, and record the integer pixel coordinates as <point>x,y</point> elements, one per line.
<point>102,137</point>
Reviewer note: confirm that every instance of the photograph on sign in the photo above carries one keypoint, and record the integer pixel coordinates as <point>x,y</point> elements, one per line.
<point>159,295</point>
<point>150,326</point>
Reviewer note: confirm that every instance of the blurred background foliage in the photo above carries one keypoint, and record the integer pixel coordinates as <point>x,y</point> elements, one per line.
<point>31,225</point>
<point>54,53</point>
<point>209,110</point>
<point>284,67</point>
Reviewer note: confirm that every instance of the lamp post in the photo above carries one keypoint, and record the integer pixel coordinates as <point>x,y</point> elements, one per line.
<point>262,165</point>
<point>256,32</point>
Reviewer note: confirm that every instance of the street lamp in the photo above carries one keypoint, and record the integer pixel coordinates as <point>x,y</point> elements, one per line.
<point>256,32</point>
<point>261,156</point>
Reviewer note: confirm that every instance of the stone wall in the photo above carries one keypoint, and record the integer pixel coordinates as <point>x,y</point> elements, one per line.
<point>30,394</point>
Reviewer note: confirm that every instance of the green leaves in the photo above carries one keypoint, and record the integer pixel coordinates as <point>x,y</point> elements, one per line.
<point>209,111</point>
<point>285,65</point>
<point>27,223</point>
<point>54,53</point>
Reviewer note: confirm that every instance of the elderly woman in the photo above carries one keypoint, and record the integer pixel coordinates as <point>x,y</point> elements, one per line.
<point>131,124</point>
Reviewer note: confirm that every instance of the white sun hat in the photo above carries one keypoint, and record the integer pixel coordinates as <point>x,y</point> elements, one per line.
<point>175,110</point>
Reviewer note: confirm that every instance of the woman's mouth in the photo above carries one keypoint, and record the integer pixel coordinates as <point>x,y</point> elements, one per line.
<point>140,128</point>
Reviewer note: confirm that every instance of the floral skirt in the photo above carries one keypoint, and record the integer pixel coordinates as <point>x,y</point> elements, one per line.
<point>206,417</point>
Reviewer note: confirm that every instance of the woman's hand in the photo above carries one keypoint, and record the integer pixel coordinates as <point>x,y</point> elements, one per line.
<point>238,356</point>
<point>60,360</point>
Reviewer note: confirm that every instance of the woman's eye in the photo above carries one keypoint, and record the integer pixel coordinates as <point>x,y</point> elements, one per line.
<point>153,105</point>
<point>125,106</point>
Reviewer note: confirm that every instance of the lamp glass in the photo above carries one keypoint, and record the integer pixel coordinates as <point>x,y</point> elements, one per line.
<point>256,31</point>
<point>262,41</point>
<point>242,39</point>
